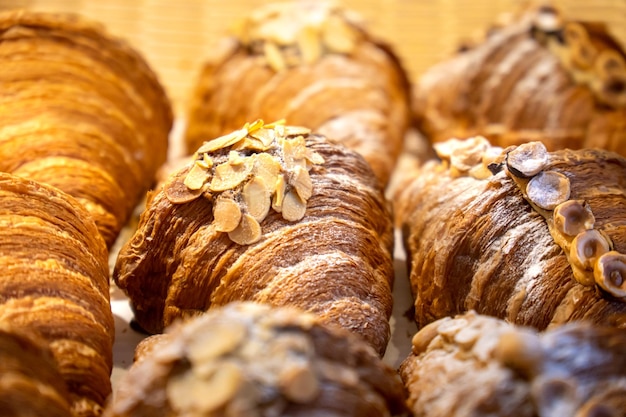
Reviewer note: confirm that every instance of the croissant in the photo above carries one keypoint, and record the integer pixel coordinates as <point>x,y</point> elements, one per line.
<point>267,213</point>
<point>80,110</point>
<point>315,65</point>
<point>253,359</point>
<point>534,237</point>
<point>55,284</point>
<point>29,377</point>
<point>535,77</point>
<point>474,365</point>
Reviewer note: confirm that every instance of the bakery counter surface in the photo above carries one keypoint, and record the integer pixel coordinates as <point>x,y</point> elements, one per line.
<point>402,327</point>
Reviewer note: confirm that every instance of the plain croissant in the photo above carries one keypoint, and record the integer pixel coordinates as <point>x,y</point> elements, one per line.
<point>535,77</point>
<point>474,365</point>
<point>253,359</point>
<point>267,213</point>
<point>315,65</point>
<point>527,235</point>
<point>55,285</point>
<point>80,110</point>
<point>29,377</point>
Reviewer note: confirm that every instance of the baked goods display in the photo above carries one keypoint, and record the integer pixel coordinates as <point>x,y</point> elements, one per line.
<point>267,213</point>
<point>537,76</point>
<point>313,64</point>
<point>530,236</point>
<point>55,286</point>
<point>473,365</point>
<point>80,110</point>
<point>29,377</point>
<point>253,359</point>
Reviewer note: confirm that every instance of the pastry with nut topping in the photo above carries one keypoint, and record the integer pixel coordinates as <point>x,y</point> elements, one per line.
<point>255,360</point>
<point>269,213</point>
<point>536,76</point>
<point>315,65</point>
<point>55,286</point>
<point>474,365</point>
<point>81,110</point>
<point>534,237</point>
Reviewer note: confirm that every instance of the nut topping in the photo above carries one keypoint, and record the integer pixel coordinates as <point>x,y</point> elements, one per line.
<point>228,176</point>
<point>300,384</point>
<point>573,217</point>
<point>548,189</point>
<point>196,177</point>
<point>587,247</point>
<point>293,207</point>
<point>527,159</point>
<point>226,214</point>
<point>610,273</point>
<point>257,198</point>
<point>248,231</point>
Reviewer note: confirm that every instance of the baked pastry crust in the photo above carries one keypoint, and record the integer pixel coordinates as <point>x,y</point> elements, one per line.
<point>55,284</point>
<point>81,110</point>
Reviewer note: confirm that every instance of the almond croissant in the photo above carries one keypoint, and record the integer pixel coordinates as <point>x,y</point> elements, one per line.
<point>540,241</point>
<point>254,360</point>
<point>268,213</point>
<point>29,377</point>
<point>536,77</point>
<point>80,110</point>
<point>315,65</point>
<point>474,365</point>
<point>55,283</point>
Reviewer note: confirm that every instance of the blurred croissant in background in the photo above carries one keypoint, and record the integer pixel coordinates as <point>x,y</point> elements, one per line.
<point>536,76</point>
<point>314,65</point>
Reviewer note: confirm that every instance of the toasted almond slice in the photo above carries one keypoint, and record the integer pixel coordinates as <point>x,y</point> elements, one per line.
<point>299,383</point>
<point>280,122</point>
<point>266,136</point>
<point>254,126</point>
<point>293,207</point>
<point>248,231</point>
<point>294,151</point>
<point>235,159</point>
<point>257,198</point>
<point>309,44</point>
<point>252,144</point>
<point>279,193</point>
<point>274,57</point>
<point>227,176</point>
<point>205,162</point>
<point>223,141</point>
<point>297,131</point>
<point>196,177</point>
<point>266,167</point>
<point>301,181</point>
<point>338,36</point>
<point>226,214</point>
<point>314,157</point>
<point>178,193</point>
<point>221,339</point>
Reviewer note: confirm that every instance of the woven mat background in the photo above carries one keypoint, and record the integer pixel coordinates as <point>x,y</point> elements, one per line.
<point>174,36</point>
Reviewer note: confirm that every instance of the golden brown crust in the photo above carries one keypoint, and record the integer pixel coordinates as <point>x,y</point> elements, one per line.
<point>80,110</point>
<point>56,284</point>
<point>359,96</point>
<point>30,383</point>
<point>336,261</point>
<point>476,243</point>
<point>525,82</point>
<point>473,365</point>
<point>258,360</point>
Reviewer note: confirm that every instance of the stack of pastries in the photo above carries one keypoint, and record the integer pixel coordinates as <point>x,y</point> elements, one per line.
<point>263,266</point>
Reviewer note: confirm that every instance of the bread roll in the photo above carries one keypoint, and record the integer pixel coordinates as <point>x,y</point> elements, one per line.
<point>29,377</point>
<point>255,360</point>
<point>474,365</point>
<point>81,110</point>
<point>537,76</point>
<point>540,241</point>
<point>55,283</point>
<point>313,64</point>
<point>268,213</point>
